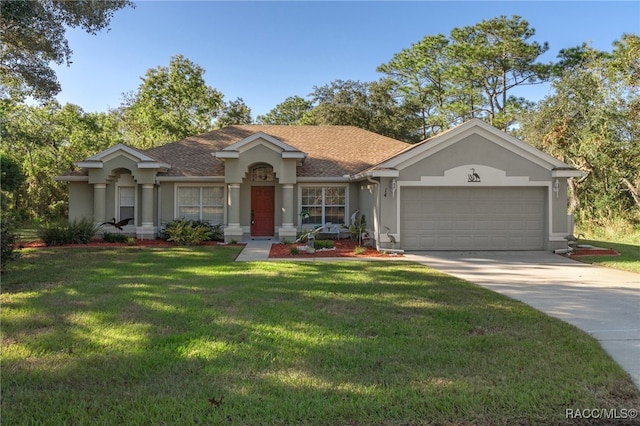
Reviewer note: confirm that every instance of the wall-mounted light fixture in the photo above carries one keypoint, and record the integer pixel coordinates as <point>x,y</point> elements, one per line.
<point>392,188</point>
<point>556,187</point>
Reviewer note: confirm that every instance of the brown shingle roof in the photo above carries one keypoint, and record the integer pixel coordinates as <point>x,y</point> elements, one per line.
<point>332,151</point>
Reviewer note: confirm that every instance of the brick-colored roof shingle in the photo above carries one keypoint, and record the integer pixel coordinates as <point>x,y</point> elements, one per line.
<point>332,151</point>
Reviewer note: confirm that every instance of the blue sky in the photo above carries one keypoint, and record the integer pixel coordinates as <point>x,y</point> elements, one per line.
<point>265,52</point>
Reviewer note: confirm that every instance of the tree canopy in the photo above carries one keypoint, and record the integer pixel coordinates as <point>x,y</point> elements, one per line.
<point>233,113</point>
<point>290,112</point>
<point>45,141</point>
<point>32,35</point>
<point>470,74</point>
<point>171,103</point>
<point>370,106</point>
<point>592,122</point>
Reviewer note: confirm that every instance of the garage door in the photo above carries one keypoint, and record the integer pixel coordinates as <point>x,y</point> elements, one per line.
<point>472,218</point>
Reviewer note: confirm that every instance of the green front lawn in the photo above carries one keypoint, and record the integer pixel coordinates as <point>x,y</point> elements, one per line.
<point>628,260</point>
<point>159,336</point>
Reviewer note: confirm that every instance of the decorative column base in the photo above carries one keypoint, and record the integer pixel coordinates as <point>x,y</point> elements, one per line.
<point>146,232</point>
<point>233,232</point>
<point>287,232</point>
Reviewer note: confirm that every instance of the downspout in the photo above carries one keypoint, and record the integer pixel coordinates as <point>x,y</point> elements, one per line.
<point>376,219</point>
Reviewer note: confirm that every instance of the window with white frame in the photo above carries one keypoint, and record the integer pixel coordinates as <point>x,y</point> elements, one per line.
<point>325,204</point>
<point>126,202</point>
<point>201,203</point>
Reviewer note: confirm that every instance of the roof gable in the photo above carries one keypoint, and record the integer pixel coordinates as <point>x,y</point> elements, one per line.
<point>260,138</point>
<point>144,161</point>
<point>454,135</point>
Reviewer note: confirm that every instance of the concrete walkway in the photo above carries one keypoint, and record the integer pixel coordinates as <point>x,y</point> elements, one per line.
<point>603,302</point>
<point>255,250</point>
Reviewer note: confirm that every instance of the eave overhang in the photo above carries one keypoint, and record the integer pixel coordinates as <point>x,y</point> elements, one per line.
<point>143,161</point>
<point>260,138</point>
<point>566,173</point>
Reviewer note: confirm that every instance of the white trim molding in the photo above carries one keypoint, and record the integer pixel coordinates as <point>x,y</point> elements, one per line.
<point>474,175</point>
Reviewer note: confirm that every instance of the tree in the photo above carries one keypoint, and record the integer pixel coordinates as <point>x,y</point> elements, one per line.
<point>369,106</point>
<point>591,122</point>
<point>391,116</point>
<point>32,35</point>
<point>420,76</point>
<point>234,112</point>
<point>470,74</point>
<point>494,57</point>
<point>45,141</point>
<point>172,103</point>
<point>291,111</point>
<point>624,69</point>
<point>340,103</point>
<point>11,176</point>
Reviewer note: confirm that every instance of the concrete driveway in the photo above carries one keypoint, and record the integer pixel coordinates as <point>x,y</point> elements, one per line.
<point>601,301</point>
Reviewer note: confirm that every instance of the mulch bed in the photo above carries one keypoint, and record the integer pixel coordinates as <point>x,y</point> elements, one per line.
<point>343,248</point>
<point>100,243</point>
<point>594,251</point>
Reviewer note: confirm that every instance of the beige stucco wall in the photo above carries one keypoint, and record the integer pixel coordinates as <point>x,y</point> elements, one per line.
<point>505,166</point>
<point>475,149</point>
<point>560,204</point>
<point>80,201</point>
<point>368,203</point>
<point>500,166</point>
<point>166,195</point>
<point>236,168</point>
<point>116,164</point>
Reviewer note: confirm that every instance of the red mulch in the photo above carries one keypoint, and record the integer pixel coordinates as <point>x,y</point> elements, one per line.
<point>100,243</point>
<point>343,248</point>
<point>594,252</point>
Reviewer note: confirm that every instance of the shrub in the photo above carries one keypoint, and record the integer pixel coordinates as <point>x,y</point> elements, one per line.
<point>7,239</point>
<point>357,228</point>
<point>294,251</point>
<point>110,237</point>
<point>75,232</point>
<point>216,232</point>
<point>359,250</point>
<point>323,244</point>
<point>187,233</point>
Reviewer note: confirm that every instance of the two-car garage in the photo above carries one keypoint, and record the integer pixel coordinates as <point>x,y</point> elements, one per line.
<point>473,187</point>
<point>472,218</point>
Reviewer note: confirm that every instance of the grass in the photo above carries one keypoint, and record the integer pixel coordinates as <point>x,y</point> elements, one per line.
<point>150,336</point>
<point>628,260</point>
<point>624,240</point>
<point>27,232</point>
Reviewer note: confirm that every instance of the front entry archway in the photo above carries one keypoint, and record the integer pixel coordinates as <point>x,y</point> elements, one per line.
<point>262,211</point>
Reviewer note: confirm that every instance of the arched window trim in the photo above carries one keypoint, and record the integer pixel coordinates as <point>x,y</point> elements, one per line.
<point>262,173</point>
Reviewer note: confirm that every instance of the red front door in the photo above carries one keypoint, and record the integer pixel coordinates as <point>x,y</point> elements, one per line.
<point>262,211</point>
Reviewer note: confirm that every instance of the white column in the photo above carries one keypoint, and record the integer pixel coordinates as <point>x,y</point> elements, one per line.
<point>147,230</point>
<point>287,205</point>
<point>288,230</point>
<point>99,202</point>
<point>233,231</point>
<point>233,207</point>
